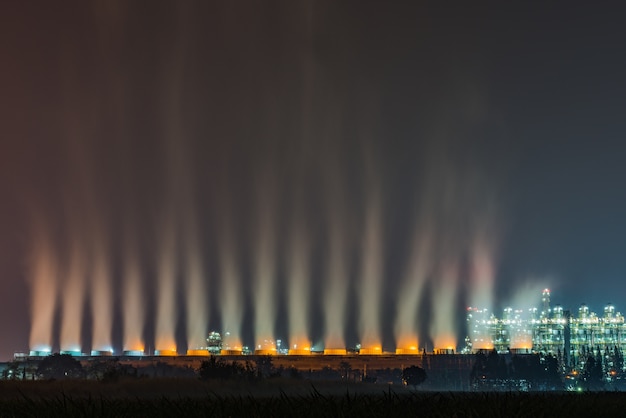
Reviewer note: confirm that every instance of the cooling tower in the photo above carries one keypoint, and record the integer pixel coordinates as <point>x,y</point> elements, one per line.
<point>231,352</point>
<point>165,353</point>
<point>101,353</point>
<point>265,352</point>
<point>198,352</point>
<point>407,351</point>
<point>377,350</point>
<point>334,351</point>
<point>299,352</point>
<point>132,353</point>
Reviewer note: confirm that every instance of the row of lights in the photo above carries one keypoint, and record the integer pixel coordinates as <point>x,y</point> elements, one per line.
<point>376,350</point>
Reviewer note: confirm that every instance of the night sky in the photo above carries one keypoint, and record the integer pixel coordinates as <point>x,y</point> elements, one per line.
<point>136,130</point>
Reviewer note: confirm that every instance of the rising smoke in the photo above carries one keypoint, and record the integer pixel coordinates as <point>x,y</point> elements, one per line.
<point>265,265</point>
<point>205,167</point>
<point>44,287</point>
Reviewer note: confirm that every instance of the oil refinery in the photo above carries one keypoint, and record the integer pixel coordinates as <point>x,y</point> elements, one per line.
<point>547,330</point>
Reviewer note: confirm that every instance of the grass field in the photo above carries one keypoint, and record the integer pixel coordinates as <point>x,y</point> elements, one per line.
<point>167,398</point>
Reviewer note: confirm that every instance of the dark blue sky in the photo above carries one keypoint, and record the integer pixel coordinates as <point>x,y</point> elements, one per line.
<point>507,116</point>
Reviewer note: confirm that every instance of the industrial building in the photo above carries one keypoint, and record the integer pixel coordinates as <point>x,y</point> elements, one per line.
<point>546,330</point>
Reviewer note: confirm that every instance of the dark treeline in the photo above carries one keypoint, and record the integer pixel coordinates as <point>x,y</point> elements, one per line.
<point>66,367</point>
<point>594,369</point>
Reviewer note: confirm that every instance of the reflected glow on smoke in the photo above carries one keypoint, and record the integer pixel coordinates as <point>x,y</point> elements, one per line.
<point>298,288</point>
<point>336,290</point>
<point>482,275</point>
<point>166,290</point>
<point>133,303</point>
<point>44,287</point>
<point>101,301</point>
<point>443,331</point>
<point>265,270</point>
<point>407,342</point>
<point>195,302</point>
<point>231,296</point>
<point>185,144</point>
<point>371,276</point>
<point>72,299</point>
<point>411,293</point>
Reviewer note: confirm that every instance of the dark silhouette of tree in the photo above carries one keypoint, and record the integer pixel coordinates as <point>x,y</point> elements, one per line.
<point>327,373</point>
<point>109,370</point>
<point>599,358</point>
<point>345,369</point>
<point>14,371</point>
<point>536,370</point>
<point>413,376</point>
<point>592,375</point>
<point>488,369</point>
<point>552,375</point>
<point>493,362</point>
<point>478,372</point>
<point>96,369</point>
<point>60,366</point>
<point>264,366</point>
<point>218,369</point>
<point>529,368</point>
<point>503,372</point>
<point>294,373</point>
<point>618,361</point>
<point>519,368</point>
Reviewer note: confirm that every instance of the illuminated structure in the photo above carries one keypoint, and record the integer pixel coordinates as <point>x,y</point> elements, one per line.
<point>374,350</point>
<point>101,352</point>
<point>407,351</point>
<point>214,343</point>
<point>545,329</point>
<point>483,328</point>
<point>550,330</point>
<point>335,351</point>
<point>198,352</point>
<point>166,353</point>
<point>266,348</point>
<point>591,330</point>
<point>300,350</point>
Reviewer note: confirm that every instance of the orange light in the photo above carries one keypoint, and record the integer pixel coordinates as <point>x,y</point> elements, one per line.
<point>335,351</point>
<point>375,350</point>
<point>407,351</point>
<point>165,345</point>
<point>407,342</point>
<point>299,351</point>
<point>303,349</point>
<point>483,345</point>
<point>231,352</point>
<point>136,347</point>
<point>198,352</point>
<point>447,342</point>
<point>167,353</point>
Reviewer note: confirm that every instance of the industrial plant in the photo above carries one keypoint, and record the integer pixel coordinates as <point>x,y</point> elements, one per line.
<point>538,348</point>
<point>545,330</point>
<point>548,330</point>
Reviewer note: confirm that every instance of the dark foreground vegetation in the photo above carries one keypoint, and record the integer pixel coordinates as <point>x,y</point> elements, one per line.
<point>511,386</point>
<point>317,402</point>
